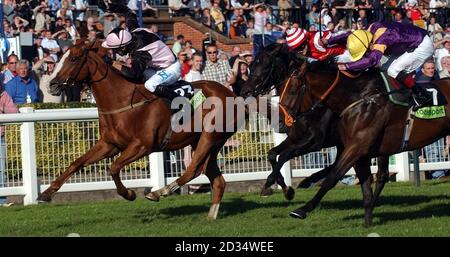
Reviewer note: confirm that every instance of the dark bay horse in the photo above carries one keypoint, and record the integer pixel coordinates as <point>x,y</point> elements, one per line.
<point>370,125</point>
<point>135,123</point>
<point>312,130</point>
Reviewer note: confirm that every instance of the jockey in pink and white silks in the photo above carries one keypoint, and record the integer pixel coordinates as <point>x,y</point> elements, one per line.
<point>150,57</point>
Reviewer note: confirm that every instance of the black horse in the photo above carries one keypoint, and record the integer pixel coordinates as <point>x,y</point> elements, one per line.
<point>314,129</point>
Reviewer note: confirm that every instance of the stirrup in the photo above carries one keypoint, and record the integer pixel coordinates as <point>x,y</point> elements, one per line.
<point>420,101</point>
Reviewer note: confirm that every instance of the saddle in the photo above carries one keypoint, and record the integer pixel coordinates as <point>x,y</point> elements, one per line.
<point>398,95</point>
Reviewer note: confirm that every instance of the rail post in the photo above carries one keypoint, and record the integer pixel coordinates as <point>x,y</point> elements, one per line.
<point>402,166</point>
<point>28,147</point>
<point>157,177</point>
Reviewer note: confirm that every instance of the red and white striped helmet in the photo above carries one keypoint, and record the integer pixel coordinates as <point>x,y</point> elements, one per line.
<point>117,38</point>
<point>295,37</point>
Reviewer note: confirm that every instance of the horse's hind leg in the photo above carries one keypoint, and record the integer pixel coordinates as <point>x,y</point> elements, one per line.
<point>98,152</point>
<point>217,183</point>
<point>344,163</point>
<point>133,152</point>
<point>202,152</point>
<point>362,168</point>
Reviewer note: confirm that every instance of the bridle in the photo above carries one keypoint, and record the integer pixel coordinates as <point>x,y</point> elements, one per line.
<point>71,80</point>
<point>260,88</point>
<point>289,118</point>
<point>291,113</point>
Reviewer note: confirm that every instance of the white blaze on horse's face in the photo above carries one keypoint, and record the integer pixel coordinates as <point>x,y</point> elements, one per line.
<point>59,65</point>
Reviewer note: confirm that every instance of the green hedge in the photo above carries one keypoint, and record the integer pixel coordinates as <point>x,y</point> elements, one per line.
<point>52,149</point>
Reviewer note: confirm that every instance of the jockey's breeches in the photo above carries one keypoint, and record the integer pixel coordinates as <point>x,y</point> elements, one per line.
<point>411,61</point>
<point>163,77</point>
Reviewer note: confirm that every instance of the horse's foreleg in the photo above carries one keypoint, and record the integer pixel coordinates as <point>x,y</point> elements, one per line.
<point>362,169</point>
<point>272,178</point>
<point>98,152</point>
<point>315,177</point>
<point>321,174</point>
<point>288,192</point>
<point>344,163</point>
<point>382,178</point>
<point>133,152</point>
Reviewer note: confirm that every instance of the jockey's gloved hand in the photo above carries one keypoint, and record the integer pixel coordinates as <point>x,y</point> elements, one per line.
<point>311,60</point>
<point>108,59</point>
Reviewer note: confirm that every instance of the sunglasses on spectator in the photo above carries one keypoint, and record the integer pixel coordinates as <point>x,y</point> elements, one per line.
<point>215,52</point>
<point>12,62</point>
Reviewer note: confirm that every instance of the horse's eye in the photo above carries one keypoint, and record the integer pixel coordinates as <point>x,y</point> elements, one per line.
<point>73,59</point>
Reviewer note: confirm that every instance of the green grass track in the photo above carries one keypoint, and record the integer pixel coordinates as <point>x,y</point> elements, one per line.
<point>404,210</point>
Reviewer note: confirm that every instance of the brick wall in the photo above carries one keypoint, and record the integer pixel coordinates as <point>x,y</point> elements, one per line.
<point>196,36</point>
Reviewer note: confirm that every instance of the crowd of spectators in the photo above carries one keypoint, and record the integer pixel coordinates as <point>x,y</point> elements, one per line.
<point>241,18</point>
<point>56,24</point>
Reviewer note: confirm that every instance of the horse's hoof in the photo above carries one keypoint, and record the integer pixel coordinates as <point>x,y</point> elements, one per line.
<point>131,195</point>
<point>152,197</point>
<point>265,192</point>
<point>299,214</point>
<point>44,198</point>
<point>147,190</point>
<point>289,193</point>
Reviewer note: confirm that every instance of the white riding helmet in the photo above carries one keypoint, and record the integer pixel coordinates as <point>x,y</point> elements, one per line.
<point>117,39</point>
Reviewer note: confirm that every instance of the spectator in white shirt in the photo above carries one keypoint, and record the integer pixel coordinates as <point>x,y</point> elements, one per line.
<point>80,9</point>
<point>194,73</point>
<point>49,43</point>
<point>440,53</point>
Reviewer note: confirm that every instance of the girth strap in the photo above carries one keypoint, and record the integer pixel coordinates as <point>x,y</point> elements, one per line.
<point>126,108</point>
<point>407,131</point>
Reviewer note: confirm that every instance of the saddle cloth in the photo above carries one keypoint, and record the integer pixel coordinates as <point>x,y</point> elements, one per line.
<point>183,88</point>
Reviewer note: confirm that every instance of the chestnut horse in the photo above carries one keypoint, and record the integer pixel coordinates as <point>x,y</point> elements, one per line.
<point>370,125</point>
<point>135,123</point>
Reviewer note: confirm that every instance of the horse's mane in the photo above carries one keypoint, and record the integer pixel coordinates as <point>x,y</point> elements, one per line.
<point>131,80</point>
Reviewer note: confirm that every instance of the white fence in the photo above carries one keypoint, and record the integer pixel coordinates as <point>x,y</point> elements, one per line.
<point>40,144</point>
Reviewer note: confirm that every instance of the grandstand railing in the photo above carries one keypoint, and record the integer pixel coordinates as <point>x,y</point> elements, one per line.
<point>41,144</point>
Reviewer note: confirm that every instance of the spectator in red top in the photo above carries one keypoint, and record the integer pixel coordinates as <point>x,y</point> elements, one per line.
<point>411,6</point>
<point>183,58</point>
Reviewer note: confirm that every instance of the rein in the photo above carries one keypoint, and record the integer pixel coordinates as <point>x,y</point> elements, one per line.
<point>130,106</point>
<point>289,119</point>
<point>104,76</point>
<point>336,81</point>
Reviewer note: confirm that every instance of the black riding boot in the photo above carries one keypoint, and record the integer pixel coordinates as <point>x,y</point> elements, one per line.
<point>170,94</point>
<point>166,92</point>
<point>420,95</point>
